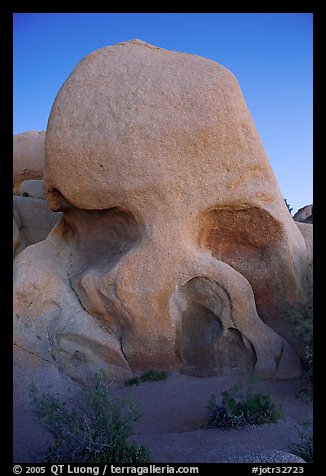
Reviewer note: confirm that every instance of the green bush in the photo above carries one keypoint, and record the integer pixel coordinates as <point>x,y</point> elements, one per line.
<point>95,433</point>
<point>305,394</point>
<point>302,323</point>
<point>236,411</point>
<point>133,381</point>
<point>148,376</point>
<point>288,206</point>
<point>303,327</point>
<point>304,448</point>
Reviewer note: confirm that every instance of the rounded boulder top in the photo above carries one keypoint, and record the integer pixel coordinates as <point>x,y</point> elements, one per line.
<point>134,117</point>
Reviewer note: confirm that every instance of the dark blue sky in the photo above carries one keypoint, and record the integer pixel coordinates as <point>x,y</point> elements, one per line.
<point>270,54</point>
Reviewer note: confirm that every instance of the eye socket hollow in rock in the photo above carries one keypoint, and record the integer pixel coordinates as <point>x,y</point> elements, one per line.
<point>236,233</point>
<point>101,239</point>
<point>254,243</point>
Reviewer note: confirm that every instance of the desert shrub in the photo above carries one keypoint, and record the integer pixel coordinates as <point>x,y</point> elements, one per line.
<point>25,194</point>
<point>154,375</point>
<point>302,324</point>
<point>288,206</point>
<point>96,432</point>
<point>148,376</point>
<point>305,394</point>
<point>303,327</point>
<point>236,410</point>
<point>133,381</point>
<point>304,447</point>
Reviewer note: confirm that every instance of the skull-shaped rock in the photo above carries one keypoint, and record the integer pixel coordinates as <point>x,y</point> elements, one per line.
<point>181,246</point>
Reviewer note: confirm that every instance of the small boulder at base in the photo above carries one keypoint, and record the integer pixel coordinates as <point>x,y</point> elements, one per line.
<point>32,188</point>
<point>33,221</point>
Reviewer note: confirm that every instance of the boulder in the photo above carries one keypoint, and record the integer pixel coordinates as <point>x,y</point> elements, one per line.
<point>32,188</point>
<point>33,220</point>
<point>177,239</point>
<point>175,249</point>
<point>304,214</point>
<point>59,355</point>
<point>28,157</point>
<point>18,239</point>
<point>302,314</point>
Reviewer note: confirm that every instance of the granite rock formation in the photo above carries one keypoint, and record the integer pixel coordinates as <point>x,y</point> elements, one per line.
<point>28,158</point>
<point>175,249</point>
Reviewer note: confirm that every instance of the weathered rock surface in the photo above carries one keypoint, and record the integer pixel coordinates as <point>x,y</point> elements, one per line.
<point>33,221</point>
<point>176,246</point>
<point>28,157</point>
<point>30,438</point>
<point>302,314</point>
<point>32,188</point>
<point>18,239</point>
<point>193,205</point>
<point>304,214</point>
<point>57,331</point>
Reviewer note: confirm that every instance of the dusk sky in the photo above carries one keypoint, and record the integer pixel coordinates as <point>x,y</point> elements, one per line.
<point>269,53</point>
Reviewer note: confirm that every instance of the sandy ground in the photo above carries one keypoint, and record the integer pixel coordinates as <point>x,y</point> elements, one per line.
<point>174,411</point>
<point>173,415</point>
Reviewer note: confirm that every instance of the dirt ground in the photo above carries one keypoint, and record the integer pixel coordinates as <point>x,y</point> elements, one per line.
<point>174,411</point>
<point>173,415</point>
